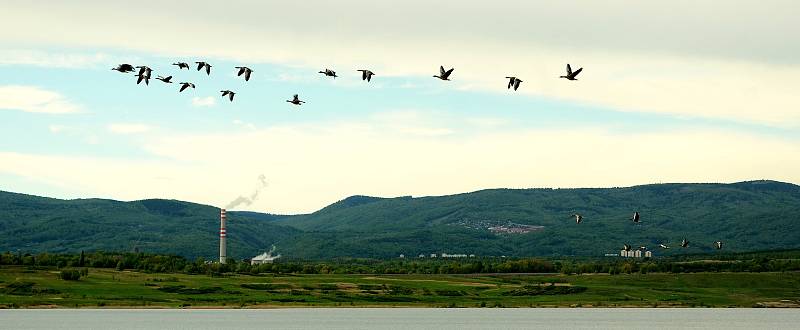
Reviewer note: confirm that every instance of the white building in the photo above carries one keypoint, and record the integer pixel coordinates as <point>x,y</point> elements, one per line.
<point>635,254</point>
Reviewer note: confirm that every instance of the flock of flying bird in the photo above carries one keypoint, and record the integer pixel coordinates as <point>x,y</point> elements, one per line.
<point>145,72</point>
<point>636,219</point>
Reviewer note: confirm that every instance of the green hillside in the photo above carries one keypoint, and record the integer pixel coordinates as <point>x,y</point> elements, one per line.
<point>37,224</point>
<point>755,215</point>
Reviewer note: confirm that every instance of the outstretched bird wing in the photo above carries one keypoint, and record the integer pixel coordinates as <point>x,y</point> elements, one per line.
<point>183,87</point>
<point>247,75</point>
<point>200,65</point>
<point>448,72</point>
<point>516,83</point>
<point>574,74</point>
<point>441,70</point>
<point>569,69</point>
<point>296,98</point>
<point>241,70</point>
<point>208,69</point>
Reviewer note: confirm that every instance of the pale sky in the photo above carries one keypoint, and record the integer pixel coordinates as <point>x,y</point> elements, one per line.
<point>680,91</point>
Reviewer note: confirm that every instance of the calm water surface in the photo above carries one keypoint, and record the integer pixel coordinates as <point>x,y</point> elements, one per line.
<point>403,318</point>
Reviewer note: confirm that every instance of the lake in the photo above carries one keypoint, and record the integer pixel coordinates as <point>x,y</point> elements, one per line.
<point>402,318</point>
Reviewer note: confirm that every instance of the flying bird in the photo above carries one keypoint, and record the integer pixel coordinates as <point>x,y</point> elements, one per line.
<point>167,80</point>
<point>145,70</point>
<point>635,217</point>
<point>366,74</point>
<point>444,75</point>
<point>144,78</point>
<point>571,75</point>
<point>642,248</point>
<point>578,218</point>
<point>243,70</point>
<point>296,100</point>
<point>718,244</point>
<point>182,65</point>
<point>201,65</point>
<point>513,82</point>
<point>329,73</point>
<point>124,68</point>
<point>626,247</point>
<point>228,93</point>
<point>684,243</point>
<point>663,246</point>
<point>185,85</point>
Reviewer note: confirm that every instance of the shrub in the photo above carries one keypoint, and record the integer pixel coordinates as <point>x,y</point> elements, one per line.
<point>70,274</point>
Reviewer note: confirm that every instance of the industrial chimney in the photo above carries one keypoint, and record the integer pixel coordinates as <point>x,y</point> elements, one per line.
<point>222,234</point>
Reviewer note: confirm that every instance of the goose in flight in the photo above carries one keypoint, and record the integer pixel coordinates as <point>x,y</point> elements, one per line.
<point>718,245</point>
<point>513,82</point>
<point>167,80</point>
<point>145,70</point>
<point>444,75</point>
<point>201,65</point>
<point>329,73</point>
<point>243,70</point>
<point>228,93</point>
<point>144,78</point>
<point>185,85</point>
<point>571,75</point>
<point>366,74</point>
<point>684,243</point>
<point>626,247</point>
<point>635,217</point>
<point>124,68</point>
<point>182,65</point>
<point>296,100</point>
<point>663,246</point>
<point>578,218</point>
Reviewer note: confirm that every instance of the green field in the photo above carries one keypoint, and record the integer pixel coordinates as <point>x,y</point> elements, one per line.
<point>21,287</point>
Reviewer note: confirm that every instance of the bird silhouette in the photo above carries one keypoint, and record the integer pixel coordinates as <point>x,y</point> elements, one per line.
<point>663,246</point>
<point>182,65</point>
<point>124,68</point>
<point>513,82</point>
<point>296,100</point>
<point>571,75</point>
<point>718,245</point>
<point>578,218</point>
<point>626,247</point>
<point>167,80</point>
<point>635,217</point>
<point>243,70</point>
<point>444,75</point>
<point>329,73</point>
<point>228,93</point>
<point>684,243</point>
<point>366,74</point>
<point>143,77</point>
<point>145,70</point>
<point>185,85</point>
<point>201,65</point>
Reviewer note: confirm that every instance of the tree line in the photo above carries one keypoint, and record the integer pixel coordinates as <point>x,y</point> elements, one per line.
<point>788,260</point>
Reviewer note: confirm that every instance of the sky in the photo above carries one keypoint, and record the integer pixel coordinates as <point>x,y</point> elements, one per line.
<point>680,91</point>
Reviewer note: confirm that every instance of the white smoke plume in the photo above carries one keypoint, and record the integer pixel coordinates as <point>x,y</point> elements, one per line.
<point>247,200</point>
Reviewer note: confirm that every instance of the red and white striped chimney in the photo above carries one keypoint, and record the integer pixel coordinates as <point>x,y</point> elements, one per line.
<point>222,234</point>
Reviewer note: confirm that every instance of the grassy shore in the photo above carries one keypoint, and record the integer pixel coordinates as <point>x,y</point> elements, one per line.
<point>21,287</point>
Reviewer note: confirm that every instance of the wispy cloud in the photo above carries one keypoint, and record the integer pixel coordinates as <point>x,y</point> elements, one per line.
<point>52,60</point>
<point>207,101</point>
<point>35,99</point>
<point>128,128</point>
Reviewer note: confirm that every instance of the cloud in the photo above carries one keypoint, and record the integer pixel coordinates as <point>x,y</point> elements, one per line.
<point>35,99</point>
<point>56,129</point>
<point>203,101</point>
<point>52,60</point>
<point>128,128</point>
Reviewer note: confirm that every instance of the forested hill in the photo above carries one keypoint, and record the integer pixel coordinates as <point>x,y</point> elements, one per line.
<point>754,215</point>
